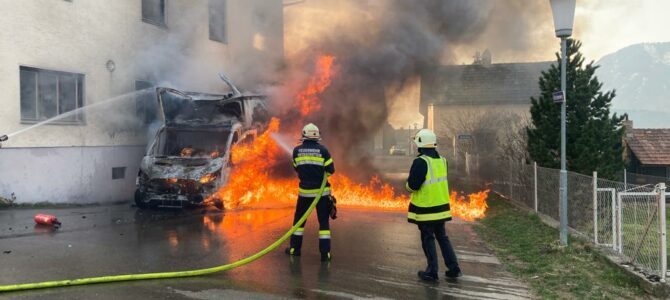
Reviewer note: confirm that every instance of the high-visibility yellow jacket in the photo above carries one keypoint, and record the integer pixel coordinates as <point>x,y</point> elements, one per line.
<point>430,203</point>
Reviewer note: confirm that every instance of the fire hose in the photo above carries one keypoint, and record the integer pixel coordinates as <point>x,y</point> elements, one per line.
<point>165,275</point>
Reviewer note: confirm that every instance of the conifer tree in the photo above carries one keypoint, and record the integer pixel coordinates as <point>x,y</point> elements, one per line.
<point>594,135</point>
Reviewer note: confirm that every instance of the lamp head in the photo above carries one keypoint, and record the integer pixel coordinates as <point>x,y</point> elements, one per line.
<point>564,16</point>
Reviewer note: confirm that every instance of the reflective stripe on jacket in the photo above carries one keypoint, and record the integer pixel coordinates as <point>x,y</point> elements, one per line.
<point>431,202</point>
<point>311,161</point>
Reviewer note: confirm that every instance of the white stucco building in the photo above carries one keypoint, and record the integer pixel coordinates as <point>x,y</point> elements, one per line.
<point>59,55</point>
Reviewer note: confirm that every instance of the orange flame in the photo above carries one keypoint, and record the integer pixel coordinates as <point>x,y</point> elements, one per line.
<point>308,99</point>
<point>474,208</point>
<point>251,183</point>
<point>374,194</point>
<point>207,178</point>
<point>186,152</point>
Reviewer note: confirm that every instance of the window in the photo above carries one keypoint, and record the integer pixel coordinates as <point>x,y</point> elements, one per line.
<point>218,29</point>
<point>153,12</point>
<point>118,173</point>
<point>146,102</point>
<point>259,114</point>
<point>46,94</point>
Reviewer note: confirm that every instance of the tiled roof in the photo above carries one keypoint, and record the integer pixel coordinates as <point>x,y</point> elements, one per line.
<point>651,146</point>
<point>512,83</point>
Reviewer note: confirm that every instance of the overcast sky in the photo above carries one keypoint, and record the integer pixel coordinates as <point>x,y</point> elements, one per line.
<point>603,26</point>
<point>609,25</point>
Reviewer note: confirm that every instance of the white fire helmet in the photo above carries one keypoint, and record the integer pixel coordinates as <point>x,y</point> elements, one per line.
<point>425,138</point>
<point>311,132</point>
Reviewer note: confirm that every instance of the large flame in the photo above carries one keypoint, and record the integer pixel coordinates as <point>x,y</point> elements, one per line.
<point>308,98</point>
<point>250,182</point>
<point>252,185</point>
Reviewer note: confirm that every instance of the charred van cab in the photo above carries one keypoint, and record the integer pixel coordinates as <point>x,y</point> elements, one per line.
<point>188,159</point>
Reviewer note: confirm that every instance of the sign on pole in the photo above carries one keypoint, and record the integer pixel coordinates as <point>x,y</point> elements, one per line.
<point>464,137</point>
<point>558,96</point>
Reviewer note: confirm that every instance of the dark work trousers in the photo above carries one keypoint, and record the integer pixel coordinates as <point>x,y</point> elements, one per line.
<point>322,212</point>
<point>430,232</point>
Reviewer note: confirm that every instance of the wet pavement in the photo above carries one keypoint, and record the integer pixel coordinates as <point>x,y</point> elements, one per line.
<point>375,255</point>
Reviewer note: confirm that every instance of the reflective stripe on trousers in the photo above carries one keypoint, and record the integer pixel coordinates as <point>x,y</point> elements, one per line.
<point>312,192</point>
<point>322,213</point>
<point>324,234</point>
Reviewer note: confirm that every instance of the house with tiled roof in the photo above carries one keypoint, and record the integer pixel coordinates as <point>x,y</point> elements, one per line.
<point>482,84</point>
<point>647,150</point>
<point>464,102</point>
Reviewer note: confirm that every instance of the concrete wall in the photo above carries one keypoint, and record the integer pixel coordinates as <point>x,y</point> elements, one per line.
<point>68,174</point>
<point>80,36</point>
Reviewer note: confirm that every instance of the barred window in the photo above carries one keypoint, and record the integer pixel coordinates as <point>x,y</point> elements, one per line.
<point>46,94</point>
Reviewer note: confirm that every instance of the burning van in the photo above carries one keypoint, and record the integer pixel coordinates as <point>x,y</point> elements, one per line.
<point>189,156</point>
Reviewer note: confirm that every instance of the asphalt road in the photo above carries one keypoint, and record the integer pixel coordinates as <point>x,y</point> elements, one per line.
<point>375,255</point>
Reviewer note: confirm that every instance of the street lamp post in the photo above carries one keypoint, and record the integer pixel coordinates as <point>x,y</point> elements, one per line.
<point>564,15</point>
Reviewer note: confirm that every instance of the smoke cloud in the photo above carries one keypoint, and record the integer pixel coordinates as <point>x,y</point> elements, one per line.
<point>380,47</point>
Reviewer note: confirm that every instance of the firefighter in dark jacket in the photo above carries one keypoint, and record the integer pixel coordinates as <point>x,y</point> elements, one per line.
<point>429,205</point>
<point>311,161</point>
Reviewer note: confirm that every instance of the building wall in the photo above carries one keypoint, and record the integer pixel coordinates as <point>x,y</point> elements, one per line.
<point>80,37</point>
<point>68,174</point>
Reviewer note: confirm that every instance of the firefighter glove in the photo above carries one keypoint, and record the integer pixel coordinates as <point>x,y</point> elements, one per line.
<point>332,209</point>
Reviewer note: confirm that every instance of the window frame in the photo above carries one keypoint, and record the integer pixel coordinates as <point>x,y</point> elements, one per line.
<point>80,96</point>
<point>162,23</point>
<point>210,5</point>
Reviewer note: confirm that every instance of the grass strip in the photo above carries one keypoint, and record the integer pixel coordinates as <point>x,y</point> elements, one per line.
<point>530,250</point>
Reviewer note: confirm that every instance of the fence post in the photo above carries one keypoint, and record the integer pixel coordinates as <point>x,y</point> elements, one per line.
<point>614,220</point>
<point>664,242</point>
<point>625,180</point>
<point>618,223</point>
<point>535,183</point>
<point>511,176</point>
<point>595,207</point>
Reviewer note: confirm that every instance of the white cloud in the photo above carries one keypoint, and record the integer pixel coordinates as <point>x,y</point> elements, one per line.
<point>606,26</point>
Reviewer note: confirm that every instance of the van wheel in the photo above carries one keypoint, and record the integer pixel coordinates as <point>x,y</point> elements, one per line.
<point>218,204</point>
<point>139,200</point>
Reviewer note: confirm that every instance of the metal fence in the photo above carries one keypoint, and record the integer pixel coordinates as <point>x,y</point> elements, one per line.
<point>642,179</point>
<point>625,219</point>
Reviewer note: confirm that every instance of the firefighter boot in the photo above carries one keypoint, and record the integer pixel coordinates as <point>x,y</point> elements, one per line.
<point>325,256</point>
<point>455,273</point>
<point>425,276</point>
<point>292,251</point>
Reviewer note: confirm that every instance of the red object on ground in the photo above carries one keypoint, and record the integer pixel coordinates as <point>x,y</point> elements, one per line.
<point>47,220</point>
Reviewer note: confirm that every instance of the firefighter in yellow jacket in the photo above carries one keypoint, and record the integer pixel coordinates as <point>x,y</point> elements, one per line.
<point>429,206</point>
